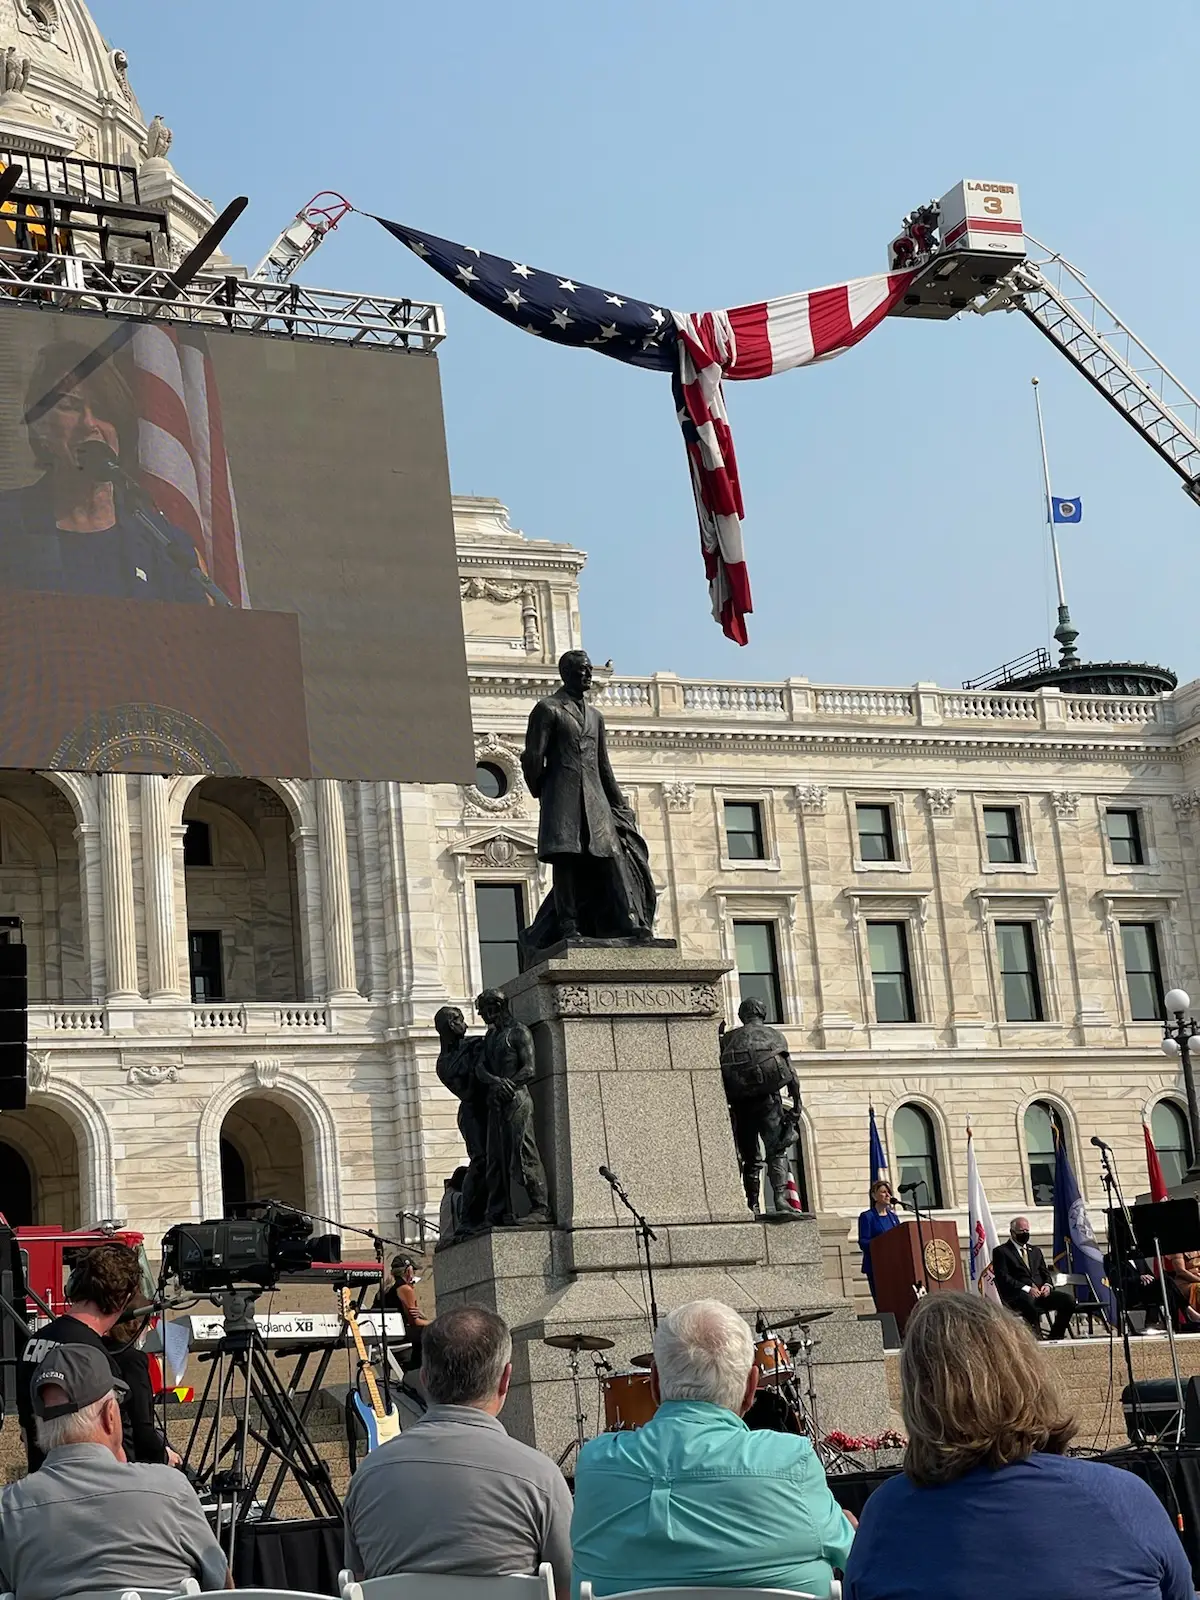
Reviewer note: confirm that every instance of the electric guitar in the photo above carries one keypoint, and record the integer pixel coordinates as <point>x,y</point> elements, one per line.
<point>380,1422</point>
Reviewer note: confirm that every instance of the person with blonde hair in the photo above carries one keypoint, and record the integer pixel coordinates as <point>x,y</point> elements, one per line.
<point>988,1503</point>
<point>695,1498</point>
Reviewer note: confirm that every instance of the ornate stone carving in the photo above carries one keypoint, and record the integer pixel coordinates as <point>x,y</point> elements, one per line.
<point>266,1071</point>
<point>1065,803</point>
<point>679,796</point>
<point>1185,804</point>
<point>940,802</point>
<point>158,140</point>
<point>573,999</point>
<point>150,1074</point>
<point>15,69</point>
<point>489,589</point>
<point>40,17</point>
<point>37,1070</point>
<point>120,66</point>
<point>812,798</point>
<point>650,999</point>
<point>500,851</point>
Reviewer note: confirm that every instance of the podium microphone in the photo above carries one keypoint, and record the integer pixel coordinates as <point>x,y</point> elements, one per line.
<point>1099,1143</point>
<point>609,1177</point>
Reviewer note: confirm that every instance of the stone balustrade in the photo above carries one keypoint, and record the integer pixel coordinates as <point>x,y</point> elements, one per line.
<point>252,1017</point>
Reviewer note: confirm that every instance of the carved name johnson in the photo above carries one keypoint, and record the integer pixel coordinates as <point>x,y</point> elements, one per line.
<point>638,999</point>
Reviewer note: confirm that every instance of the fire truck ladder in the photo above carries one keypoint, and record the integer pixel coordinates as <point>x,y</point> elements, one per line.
<point>1058,300</point>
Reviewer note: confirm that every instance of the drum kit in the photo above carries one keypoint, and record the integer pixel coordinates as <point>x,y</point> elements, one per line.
<point>786,1401</point>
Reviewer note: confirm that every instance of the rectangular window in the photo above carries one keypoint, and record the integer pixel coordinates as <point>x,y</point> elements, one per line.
<point>758,965</point>
<point>1125,838</point>
<point>500,914</point>
<point>876,840</point>
<point>1002,828</point>
<point>887,943</point>
<point>1017,948</point>
<point>743,831</point>
<point>197,844</point>
<point>207,969</point>
<point>1143,974</point>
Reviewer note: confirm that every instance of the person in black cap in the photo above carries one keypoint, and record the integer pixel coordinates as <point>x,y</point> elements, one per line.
<point>89,1519</point>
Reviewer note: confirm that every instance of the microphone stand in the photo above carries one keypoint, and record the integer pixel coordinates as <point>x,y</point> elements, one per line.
<point>912,1189</point>
<point>1112,1188</point>
<point>645,1234</point>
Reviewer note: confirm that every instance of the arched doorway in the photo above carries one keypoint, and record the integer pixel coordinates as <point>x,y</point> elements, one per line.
<point>263,1154</point>
<point>40,883</point>
<point>16,1187</point>
<point>242,897</point>
<point>44,1145</point>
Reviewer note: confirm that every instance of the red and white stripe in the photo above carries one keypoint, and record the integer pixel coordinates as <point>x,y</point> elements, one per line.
<point>181,448</point>
<point>755,341</point>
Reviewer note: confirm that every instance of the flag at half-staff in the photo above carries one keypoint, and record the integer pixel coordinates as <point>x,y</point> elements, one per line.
<point>698,349</point>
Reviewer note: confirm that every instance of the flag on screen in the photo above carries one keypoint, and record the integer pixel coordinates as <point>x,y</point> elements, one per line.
<point>878,1158</point>
<point>181,447</point>
<point>698,349</point>
<point>1158,1184</point>
<point>1075,1246</point>
<point>981,1227</point>
<point>1066,510</point>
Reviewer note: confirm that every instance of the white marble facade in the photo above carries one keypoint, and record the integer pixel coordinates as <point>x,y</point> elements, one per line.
<point>347,915</point>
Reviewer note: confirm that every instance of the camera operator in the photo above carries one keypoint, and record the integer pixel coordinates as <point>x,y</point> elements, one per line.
<point>102,1283</point>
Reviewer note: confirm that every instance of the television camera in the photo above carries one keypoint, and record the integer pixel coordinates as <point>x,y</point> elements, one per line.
<point>251,1250</point>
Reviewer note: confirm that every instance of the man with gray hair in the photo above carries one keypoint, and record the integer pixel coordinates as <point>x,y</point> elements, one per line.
<point>88,1519</point>
<point>694,1498</point>
<point>453,1493</point>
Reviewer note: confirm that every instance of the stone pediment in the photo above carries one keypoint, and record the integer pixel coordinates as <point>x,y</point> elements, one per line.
<point>496,848</point>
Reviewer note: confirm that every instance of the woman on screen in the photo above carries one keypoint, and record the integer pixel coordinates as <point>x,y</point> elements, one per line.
<point>86,526</point>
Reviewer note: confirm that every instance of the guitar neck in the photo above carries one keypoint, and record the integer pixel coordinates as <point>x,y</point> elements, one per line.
<point>368,1371</point>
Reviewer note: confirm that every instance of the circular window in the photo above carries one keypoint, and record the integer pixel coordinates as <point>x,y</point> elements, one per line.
<point>491,780</point>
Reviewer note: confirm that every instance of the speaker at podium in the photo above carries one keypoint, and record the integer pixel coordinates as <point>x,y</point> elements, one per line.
<point>914,1259</point>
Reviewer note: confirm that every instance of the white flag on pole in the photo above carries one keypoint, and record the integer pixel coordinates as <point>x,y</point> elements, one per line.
<point>982,1229</point>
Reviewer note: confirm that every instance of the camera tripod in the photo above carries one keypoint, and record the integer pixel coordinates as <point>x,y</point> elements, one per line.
<point>245,1381</point>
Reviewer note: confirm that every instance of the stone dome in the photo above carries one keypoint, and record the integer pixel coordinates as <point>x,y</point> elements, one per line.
<point>73,97</point>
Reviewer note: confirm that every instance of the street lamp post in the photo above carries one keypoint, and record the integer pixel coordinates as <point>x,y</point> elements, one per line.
<point>1179,1040</point>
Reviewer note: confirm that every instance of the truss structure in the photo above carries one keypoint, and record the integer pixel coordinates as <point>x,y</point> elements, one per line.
<point>245,305</point>
<point>1059,301</point>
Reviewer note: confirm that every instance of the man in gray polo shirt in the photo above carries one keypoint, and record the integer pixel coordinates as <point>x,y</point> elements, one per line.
<point>89,1519</point>
<point>454,1493</point>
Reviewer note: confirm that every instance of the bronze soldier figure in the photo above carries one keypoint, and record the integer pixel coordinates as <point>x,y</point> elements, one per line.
<point>505,1068</point>
<point>757,1070</point>
<point>456,1067</point>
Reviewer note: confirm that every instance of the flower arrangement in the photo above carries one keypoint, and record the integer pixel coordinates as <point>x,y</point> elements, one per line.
<point>889,1439</point>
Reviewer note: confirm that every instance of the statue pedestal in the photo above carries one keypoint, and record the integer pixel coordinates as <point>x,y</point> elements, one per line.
<point>628,1077</point>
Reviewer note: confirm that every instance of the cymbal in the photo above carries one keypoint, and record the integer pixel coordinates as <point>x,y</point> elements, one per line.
<point>802,1318</point>
<point>642,1361</point>
<point>578,1341</point>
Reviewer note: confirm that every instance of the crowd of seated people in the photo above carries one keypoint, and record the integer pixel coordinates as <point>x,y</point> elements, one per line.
<point>988,1502</point>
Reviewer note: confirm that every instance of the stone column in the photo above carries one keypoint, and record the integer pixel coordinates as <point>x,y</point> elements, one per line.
<point>337,917</point>
<point>158,866</point>
<point>116,876</point>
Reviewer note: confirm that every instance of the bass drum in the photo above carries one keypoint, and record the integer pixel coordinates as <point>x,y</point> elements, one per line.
<point>628,1402</point>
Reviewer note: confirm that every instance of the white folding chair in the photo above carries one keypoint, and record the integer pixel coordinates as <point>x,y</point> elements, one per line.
<point>189,1586</point>
<point>447,1586</point>
<point>689,1593</point>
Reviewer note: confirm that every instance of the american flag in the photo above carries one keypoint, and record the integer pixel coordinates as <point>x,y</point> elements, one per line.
<point>698,349</point>
<point>181,448</point>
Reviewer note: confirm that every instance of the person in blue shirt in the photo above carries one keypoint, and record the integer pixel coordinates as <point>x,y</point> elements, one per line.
<point>878,1218</point>
<point>988,1504</point>
<point>696,1498</point>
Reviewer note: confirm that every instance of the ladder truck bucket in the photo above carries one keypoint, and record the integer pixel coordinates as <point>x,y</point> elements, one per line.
<point>961,245</point>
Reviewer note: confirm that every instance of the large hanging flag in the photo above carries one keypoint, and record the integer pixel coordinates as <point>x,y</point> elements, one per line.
<point>981,1227</point>
<point>877,1158</point>
<point>1158,1184</point>
<point>698,349</point>
<point>1075,1246</point>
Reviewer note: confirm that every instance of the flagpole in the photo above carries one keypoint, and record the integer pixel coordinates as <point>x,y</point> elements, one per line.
<point>1064,633</point>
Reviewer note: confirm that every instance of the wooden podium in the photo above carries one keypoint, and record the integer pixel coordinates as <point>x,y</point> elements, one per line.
<point>898,1269</point>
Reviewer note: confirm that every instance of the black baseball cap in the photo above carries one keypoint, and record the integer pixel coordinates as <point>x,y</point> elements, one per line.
<point>84,1373</point>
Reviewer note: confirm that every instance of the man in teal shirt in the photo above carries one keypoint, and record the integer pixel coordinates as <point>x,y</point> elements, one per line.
<point>695,1497</point>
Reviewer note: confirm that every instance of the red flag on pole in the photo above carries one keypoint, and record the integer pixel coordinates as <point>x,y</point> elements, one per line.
<point>1158,1184</point>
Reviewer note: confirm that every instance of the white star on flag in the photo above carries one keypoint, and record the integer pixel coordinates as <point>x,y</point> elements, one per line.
<point>565,283</point>
<point>514,297</point>
<point>614,299</point>
<point>562,319</point>
<point>519,268</point>
<point>467,274</point>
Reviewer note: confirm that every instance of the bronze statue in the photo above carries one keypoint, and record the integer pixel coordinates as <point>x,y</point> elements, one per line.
<point>505,1067</point>
<point>756,1071</point>
<point>456,1068</point>
<point>603,889</point>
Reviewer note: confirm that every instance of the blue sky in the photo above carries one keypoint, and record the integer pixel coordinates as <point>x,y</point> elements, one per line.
<point>702,154</point>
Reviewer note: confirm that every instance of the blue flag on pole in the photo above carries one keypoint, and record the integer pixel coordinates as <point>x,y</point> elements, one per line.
<point>878,1161</point>
<point>1066,510</point>
<point>1075,1245</point>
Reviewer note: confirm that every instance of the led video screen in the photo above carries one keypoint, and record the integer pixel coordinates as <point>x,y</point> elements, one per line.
<point>225,553</point>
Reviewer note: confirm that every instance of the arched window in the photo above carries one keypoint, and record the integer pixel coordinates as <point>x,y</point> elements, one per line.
<point>1042,1122</point>
<point>1169,1130</point>
<point>916,1154</point>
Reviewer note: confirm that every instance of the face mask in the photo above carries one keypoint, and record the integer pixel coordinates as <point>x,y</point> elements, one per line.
<point>1022,1236</point>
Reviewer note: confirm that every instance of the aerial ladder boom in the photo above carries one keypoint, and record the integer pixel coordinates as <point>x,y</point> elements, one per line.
<point>303,234</point>
<point>969,253</point>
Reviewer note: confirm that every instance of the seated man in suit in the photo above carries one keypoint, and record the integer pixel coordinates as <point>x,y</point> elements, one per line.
<point>1023,1281</point>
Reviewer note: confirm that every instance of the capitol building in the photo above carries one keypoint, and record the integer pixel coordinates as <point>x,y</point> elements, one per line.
<point>957,904</point>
